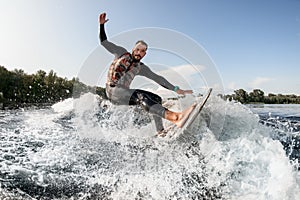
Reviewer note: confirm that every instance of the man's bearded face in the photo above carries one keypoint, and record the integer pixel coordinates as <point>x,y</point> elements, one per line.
<point>139,51</point>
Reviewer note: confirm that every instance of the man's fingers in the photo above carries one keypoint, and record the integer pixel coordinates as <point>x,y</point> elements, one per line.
<point>188,91</point>
<point>102,18</point>
<point>102,15</point>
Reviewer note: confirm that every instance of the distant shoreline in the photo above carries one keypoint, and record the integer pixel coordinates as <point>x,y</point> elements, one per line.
<point>20,90</point>
<point>258,96</point>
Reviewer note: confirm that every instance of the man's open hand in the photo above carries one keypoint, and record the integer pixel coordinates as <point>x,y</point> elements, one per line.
<point>102,18</point>
<point>184,92</point>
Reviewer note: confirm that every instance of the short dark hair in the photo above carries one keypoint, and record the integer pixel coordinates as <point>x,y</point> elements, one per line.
<point>142,42</point>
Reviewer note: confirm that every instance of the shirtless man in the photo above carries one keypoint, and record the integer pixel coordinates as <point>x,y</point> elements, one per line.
<point>123,70</point>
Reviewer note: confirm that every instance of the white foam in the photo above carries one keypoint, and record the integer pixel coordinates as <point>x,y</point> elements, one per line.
<point>64,106</point>
<point>233,152</point>
<point>237,149</point>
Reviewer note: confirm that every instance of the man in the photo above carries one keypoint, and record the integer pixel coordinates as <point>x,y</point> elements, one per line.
<point>123,70</point>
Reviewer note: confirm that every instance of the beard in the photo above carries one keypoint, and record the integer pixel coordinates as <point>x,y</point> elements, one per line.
<point>136,57</point>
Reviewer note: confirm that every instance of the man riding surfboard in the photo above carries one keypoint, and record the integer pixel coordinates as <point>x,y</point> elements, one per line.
<point>122,71</point>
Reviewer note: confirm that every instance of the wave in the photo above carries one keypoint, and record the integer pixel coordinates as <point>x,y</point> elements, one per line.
<point>87,148</point>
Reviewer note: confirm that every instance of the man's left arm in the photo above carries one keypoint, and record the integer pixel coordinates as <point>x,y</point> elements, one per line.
<point>146,71</point>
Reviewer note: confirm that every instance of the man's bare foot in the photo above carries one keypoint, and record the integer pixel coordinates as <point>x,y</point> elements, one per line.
<point>164,132</point>
<point>182,118</point>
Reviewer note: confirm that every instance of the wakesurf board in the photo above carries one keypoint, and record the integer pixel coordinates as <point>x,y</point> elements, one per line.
<point>171,130</point>
<point>196,111</point>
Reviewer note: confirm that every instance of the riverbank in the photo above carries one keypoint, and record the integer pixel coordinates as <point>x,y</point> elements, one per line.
<point>258,96</point>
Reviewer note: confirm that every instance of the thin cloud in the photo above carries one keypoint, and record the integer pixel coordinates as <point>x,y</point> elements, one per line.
<point>260,81</point>
<point>231,87</point>
<point>185,76</point>
<point>184,70</point>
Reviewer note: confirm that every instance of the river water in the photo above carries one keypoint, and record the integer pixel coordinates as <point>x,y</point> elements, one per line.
<point>87,148</point>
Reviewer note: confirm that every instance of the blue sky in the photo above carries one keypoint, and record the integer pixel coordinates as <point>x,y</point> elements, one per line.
<point>254,44</point>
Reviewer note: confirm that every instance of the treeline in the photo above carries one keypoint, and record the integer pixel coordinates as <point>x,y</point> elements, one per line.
<point>18,89</point>
<point>258,96</point>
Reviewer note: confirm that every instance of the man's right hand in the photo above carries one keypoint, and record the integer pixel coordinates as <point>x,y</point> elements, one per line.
<point>102,18</point>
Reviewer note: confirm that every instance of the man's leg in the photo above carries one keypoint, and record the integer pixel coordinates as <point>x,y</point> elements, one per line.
<point>157,119</point>
<point>148,100</point>
<point>179,118</point>
<point>158,123</point>
<point>152,103</point>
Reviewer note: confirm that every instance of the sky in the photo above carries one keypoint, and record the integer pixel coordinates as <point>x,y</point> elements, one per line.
<point>252,43</point>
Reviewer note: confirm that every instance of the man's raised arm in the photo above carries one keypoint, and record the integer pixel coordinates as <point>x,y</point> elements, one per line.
<point>109,46</point>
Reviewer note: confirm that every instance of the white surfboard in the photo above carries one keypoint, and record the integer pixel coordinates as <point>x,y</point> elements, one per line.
<point>196,111</point>
<point>172,130</point>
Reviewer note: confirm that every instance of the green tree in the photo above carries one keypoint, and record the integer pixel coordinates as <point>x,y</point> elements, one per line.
<point>257,96</point>
<point>241,96</point>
